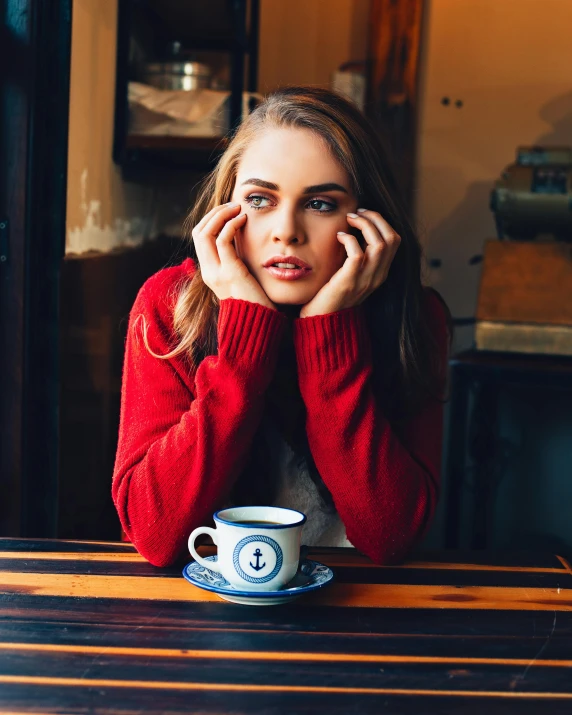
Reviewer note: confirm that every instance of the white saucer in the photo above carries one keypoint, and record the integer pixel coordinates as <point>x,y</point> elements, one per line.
<point>311,576</point>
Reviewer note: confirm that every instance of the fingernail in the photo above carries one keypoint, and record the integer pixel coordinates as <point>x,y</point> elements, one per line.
<point>353,215</point>
<point>360,211</point>
<point>341,233</point>
<point>232,204</point>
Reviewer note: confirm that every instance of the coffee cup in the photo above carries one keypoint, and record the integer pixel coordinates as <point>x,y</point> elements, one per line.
<point>258,547</point>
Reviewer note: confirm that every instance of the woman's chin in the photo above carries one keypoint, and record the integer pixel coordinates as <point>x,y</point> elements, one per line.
<point>288,295</point>
<point>288,301</point>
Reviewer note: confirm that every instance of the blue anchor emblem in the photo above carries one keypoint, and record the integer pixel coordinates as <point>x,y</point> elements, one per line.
<point>272,566</point>
<point>258,554</point>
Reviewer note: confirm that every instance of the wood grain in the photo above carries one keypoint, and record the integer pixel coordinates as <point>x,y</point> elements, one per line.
<point>526,282</point>
<point>265,656</point>
<point>565,563</point>
<point>332,560</point>
<point>91,628</point>
<point>59,556</point>
<point>348,595</point>
<point>532,338</point>
<point>394,47</point>
<point>236,687</point>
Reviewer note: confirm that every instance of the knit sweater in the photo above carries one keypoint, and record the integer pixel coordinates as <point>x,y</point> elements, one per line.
<point>185,432</point>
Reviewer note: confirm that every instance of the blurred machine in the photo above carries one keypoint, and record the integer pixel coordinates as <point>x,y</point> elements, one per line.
<point>525,294</point>
<point>533,197</point>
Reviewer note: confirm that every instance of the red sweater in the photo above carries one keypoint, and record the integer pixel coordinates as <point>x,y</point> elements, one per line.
<point>185,433</point>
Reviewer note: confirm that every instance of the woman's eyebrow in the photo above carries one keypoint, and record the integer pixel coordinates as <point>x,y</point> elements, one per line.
<point>263,184</point>
<point>316,189</point>
<point>324,187</point>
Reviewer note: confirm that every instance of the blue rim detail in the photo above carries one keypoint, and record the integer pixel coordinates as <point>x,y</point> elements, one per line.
<point>221,520</point>
<point>265,540</point>
<point>285,592</point>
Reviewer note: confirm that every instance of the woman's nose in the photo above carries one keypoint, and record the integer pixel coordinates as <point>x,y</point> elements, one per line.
<point>286,229</point>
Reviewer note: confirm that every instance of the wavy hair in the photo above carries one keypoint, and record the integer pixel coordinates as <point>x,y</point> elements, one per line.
<point>402,341</point>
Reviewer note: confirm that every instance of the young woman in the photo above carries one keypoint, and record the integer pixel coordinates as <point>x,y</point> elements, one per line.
<point>296,360</point>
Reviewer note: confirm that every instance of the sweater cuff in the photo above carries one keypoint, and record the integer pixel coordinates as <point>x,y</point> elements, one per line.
<point>332,341</point>
<point>249,332</point>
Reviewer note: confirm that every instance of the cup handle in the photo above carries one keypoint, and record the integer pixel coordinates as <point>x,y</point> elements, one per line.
<point>211,565</point>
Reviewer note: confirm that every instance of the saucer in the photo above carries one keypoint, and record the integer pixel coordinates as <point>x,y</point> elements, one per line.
<point>311,576</point>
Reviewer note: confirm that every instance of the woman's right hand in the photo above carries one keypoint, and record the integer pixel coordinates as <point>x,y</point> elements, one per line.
<point>221,268</point>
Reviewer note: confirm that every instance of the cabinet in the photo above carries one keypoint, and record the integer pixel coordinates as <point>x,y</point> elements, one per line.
<point>223,33</point>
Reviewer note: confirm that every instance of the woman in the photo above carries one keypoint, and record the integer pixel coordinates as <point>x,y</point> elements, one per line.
<point>297,360</point>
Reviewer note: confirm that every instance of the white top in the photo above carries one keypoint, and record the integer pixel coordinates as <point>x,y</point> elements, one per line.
<point>296,490</point>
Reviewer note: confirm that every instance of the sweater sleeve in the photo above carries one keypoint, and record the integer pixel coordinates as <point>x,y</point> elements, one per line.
<point>184,436</point>
<point>384,488</point>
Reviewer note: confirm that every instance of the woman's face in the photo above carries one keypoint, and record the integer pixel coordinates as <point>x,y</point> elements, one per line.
<point>296,197</point>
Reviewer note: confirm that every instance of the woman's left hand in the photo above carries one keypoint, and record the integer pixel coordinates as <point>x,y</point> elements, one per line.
<point>363,271</point>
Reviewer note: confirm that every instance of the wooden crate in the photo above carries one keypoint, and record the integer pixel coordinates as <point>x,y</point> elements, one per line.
<point>525,298</point>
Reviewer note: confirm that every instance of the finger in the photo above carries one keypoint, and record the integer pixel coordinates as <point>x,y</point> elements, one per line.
<point>206,251</point>
<point>215,217</point>
<point>379,253</point>
<point>200,225</point>
<point>381,249</point>
<point>224,245</point>
<point>388,234</point>
<point>203,238</point>
<point>216,210</point>
<point>216,223</point>
<point>376,246</point>
<point>355,257</point>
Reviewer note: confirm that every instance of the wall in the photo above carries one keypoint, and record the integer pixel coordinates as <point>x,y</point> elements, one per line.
<point>510,62</point>
<point>303,42</point>
<point>103,212</point>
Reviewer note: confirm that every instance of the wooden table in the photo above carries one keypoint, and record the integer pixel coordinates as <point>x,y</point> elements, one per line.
<point>92,627</point>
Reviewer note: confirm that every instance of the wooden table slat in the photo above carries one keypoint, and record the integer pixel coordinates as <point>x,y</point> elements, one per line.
<point>93,627</point>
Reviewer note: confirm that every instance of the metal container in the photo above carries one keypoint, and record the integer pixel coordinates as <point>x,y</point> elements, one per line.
<point>177,75</point>
<point>534,195</point>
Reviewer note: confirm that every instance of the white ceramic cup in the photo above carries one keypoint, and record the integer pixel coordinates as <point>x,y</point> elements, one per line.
<point>255,556</point>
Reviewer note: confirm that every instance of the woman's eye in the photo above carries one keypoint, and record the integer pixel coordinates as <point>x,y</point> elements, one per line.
<point>257,202</point>
<point>321,205</point>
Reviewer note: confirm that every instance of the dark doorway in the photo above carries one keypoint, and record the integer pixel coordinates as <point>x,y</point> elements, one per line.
<point>35,38</point>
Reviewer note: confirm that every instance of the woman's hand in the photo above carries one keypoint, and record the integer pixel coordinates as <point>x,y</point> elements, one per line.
<point>221,268</point>
<point>363,271</point>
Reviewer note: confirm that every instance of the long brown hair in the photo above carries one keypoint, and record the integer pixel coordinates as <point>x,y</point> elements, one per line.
<point>404,353</point>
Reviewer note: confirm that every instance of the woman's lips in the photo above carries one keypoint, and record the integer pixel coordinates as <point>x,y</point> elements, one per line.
<point>288,274</point>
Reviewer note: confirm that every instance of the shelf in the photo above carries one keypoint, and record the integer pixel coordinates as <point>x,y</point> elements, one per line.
<point>169,158</point>
<point>188,20</point>
<point>153,141</point>
<point>150,25</point>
